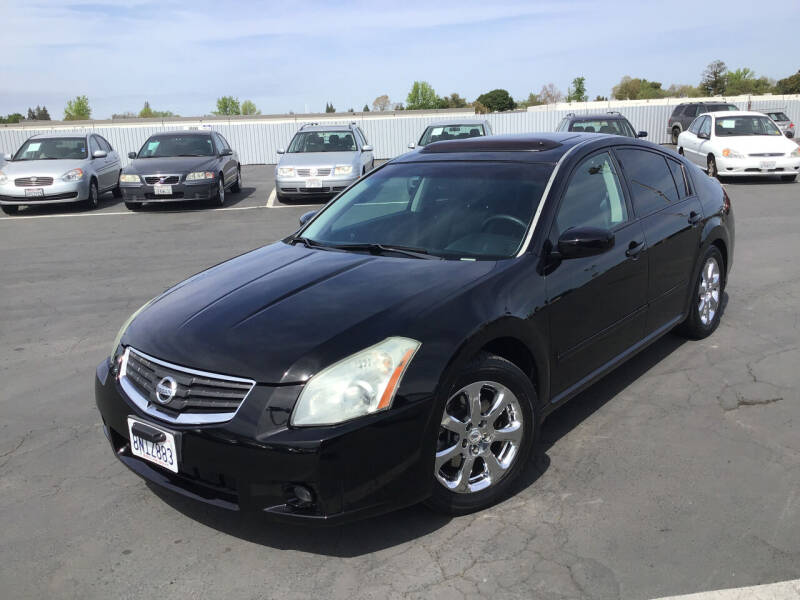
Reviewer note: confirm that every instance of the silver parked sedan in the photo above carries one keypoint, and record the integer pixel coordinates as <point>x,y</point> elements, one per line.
<point>59,168</point>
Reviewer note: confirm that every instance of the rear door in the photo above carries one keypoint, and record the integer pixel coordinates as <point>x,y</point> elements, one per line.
<point>671,216</point>
<point>113,164</point>
<point>596,304</point>
<point>99,165</point>
<point>229,166</point>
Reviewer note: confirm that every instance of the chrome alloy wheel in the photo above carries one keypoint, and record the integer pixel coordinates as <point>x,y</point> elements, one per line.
<point>220,193</point>
<point>708,292</point>
<point>479,437</point>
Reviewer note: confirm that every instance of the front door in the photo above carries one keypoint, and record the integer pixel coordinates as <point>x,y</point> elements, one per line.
<point>596,304</point>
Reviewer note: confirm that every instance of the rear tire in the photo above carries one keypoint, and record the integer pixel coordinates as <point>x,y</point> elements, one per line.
<point>705,309</point>
<point>675,133</point>
<point>133,205</point>
<point>10,209</point>
<point>480,456</point>
<point>788,178</point>
<point>93,201</point>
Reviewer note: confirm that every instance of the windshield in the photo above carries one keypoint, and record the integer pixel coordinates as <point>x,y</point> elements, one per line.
<point>473,210</point>
<point>177,145</point>
<point>52,149</point>
<point>716,107</point>
<point>741,126</point>
<point>613,126</point>
<point>323,141</point>
<point>778,116</point>
<point>451,132</point>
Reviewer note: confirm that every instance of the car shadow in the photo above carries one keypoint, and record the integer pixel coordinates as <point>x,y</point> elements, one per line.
<point>385,531</point>
<point>69,208</point>
<point>232,199</point>
<point>762,180</point>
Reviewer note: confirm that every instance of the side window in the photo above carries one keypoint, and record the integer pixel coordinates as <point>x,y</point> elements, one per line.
<point>593,197</point>
<point>225,143</point>
<point>93,145</point>
<point>562,126</point>
<point>679,176</point>
<point>695,126</point>
<point>702,109</point>
<point>104,145</point>
<point>650,179</point>
<point>705,126</point>
<point>363,137</point>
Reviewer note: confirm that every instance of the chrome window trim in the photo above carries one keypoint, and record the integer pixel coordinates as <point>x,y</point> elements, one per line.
<point>146,406</point>
<point>545,196</point>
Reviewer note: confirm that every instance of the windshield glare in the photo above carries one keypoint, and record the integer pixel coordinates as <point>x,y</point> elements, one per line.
<point>323,141</point>
<point>451,132</point>
<point>52,149</point>
<point>742,126</point>
<point>177,145</point>
<point>477,210</point>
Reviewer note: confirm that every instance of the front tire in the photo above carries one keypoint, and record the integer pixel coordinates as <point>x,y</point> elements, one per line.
<point>237,187</point>
<point>705,308</point>
<point>486,434</point>
<point>10,209</point>
<point>117,191</point>
<point>219,198</point>
<point>675,133</point>
<point>711,163</point>
<point>93,201</point>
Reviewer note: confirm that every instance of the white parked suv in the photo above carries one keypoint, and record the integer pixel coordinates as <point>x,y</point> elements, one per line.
<point>740,143</point>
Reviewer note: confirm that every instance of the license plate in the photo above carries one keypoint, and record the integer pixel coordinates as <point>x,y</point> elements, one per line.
<point>161,453</point>
<point>313,183</point>
<point>34,193</point>
<point>768,164</point>
<point>162,190</point>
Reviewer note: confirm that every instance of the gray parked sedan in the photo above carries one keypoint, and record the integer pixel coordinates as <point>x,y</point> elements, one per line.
<point>59,168</point>
<point>322,160</point>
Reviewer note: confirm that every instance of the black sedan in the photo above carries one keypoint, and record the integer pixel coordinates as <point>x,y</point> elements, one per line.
<point>406,343</point>
<point>180,166</point>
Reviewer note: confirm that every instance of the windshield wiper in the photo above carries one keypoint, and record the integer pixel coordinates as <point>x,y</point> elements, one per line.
<point>307,242</point>
<point>383,248</point>
<point>191,155</point>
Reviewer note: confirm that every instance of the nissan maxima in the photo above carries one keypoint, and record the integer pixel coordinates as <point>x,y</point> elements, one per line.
<point>58,169</point>
<point>181,166</point>
<point>407,342</point>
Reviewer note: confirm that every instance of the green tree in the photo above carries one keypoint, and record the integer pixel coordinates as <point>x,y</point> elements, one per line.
<point>249,108</point>
<point>789,85</point>
<point>497,100</point>
<point>42,114</point>
<point>124,115</point>
<point>744,81</point>
<point>146,112</point>
<point>421,96</point>
<point>78,109</point>
<point>31,115</point>
<point>12,118</point>
<point>228,105</point>
<point>714,78</point>
<point>600,98</point>
<point>454,101</point>
<point>682,90</point>
<point>634,88</point>
<point>577,92</point>
<point>365,109</point>
<point>329,107</point>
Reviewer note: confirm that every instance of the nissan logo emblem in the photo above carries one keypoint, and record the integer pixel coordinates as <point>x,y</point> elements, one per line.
<point>165,390</point>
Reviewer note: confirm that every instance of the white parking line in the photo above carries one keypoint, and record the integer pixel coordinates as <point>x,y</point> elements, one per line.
<point>271,199</point>
<point>785,590</point>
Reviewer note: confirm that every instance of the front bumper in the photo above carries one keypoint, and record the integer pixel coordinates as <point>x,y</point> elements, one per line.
<point>297,186</point>
<point>181,192</point>
<point>751,166</point>
<point>57,193</point>
<point>357,469</point>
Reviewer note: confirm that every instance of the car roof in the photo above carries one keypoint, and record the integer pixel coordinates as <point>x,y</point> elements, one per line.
<point>456,122</point>
<point>193,132</point>
<point>326,128</point>
<point>705,102</point>
<point>57,134</point>
<point>597,117</point>
<point>734,113</point>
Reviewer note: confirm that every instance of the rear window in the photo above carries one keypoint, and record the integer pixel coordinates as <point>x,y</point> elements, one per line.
<point>612,126</point>
<point>778,116</point>
<point>451,132</point>
<point>716,107</point>
<point>323,141</point>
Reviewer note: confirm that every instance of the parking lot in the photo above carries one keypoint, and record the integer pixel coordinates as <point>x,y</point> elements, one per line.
<point>678,473</point>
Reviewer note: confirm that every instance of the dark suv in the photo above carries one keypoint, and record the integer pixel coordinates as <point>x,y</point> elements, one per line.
<point>610,122</point>
<point>685,113</point>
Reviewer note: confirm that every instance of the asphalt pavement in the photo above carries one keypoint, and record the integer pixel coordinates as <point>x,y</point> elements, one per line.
<point>678,473</point>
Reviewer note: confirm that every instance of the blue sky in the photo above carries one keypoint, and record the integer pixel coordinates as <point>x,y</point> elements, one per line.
<point>286,56</point>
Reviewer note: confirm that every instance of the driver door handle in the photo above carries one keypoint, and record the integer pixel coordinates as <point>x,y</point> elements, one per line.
<point>634,249</point>
<point>694,218</point>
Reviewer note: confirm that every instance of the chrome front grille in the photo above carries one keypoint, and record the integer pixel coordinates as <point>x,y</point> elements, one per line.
<point>33,181</point>
<point>199,397</point>
<point>319,172</point>
<point>765,154</point>
<point>162,179</point>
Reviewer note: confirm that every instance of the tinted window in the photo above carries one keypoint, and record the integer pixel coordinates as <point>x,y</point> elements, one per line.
<point>177,145</point>
<point>679,177</point>
<point>612,126</point>
<point>690,110</point>
<point>678,110</point>
<point>104,145</point>
<point>452,209</point>
<point>695,126</point>
<point>778,116</point>
<point>323,141</point>
<point>52,148</point>
<point>705,126</point>
<point>743,126</point>
<point>94,146</point>
<point>594,196</point>
<point>223,142</point>
<point>650,179</point>
<point>716,107</point>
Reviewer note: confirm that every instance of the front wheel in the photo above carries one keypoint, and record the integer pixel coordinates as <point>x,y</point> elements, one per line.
<point>237,187</point>
<point>712,167</point>
<point>486,433</point>
<point>675,133</point>
<point>93,201</point>
<point>220,197</point>
<point>705,309</point>
<point>117,191</point>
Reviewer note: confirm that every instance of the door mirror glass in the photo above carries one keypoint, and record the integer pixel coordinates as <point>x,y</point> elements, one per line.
<point>366,148</point>
<point>641,134</point>
<point>99,154</point>
<point>703,135</point>
<point>281,150</point>
<point>225,152</point>
<point>131,155</point>
<point>411,146</point>
<point>306,217</point>
<point>6,156</point>
<point>584,241</point>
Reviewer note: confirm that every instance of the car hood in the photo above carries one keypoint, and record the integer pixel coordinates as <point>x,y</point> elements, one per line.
<point>757,144</point>
<point>281,313</point>
<point>316,159</point>
<point>41,168</point>
<point>170,165</point>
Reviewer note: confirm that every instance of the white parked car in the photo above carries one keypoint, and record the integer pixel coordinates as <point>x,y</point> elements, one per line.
<point>729,143</point>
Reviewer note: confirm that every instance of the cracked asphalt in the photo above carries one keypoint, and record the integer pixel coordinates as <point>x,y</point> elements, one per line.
<point>678,473</point>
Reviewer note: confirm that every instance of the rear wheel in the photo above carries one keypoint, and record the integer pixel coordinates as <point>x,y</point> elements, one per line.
<point>237,187</point>
<point>712,167</point>
<point>675,133</point>
<point>10,209</point>
<point>93,201</point>
<point>485,437</point>
<point>705,309</point>
<point>788,177</point>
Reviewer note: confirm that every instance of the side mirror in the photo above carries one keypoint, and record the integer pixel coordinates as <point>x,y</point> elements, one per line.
<point>789,134</point>
<point>366,148</point>
<point>703,136</point>
<point>579,242</point>
<point>226,152</point>
<point>99,154</point>
<point>641,134</point>
<point>411,146</point>
<point>306,217</point>
<point>131,155</point>
<point>281,150</point>
<point>7,156</point>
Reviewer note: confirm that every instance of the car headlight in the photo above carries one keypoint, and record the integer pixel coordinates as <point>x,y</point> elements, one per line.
<point>728,153</point>
<point>73,175</point>
<point>286,171</point>
<point>343,169</point>
<point>361,384</point>
<point>124,327</point>
<point>200,175</point>
<point>3,177</point>
<point>795,153</point>
<point>128,178</point>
